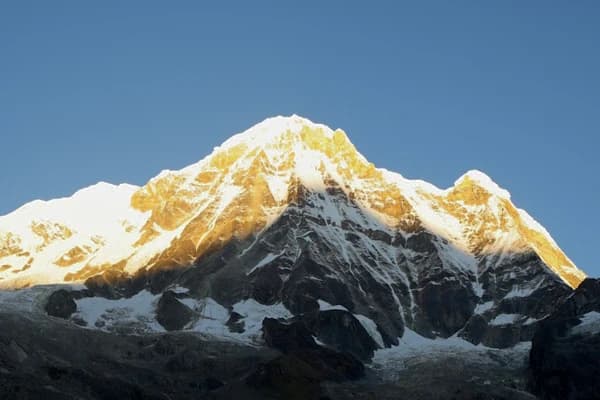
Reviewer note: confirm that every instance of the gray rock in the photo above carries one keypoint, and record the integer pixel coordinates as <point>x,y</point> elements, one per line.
<point>340,330</point>
<point>171,313</point>
<point>564,363</point>
<point>61,304</point>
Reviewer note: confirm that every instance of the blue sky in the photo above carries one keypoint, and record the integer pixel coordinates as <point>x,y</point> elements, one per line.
<point>117,91</point>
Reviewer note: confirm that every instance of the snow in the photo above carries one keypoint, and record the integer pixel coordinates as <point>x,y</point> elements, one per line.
<point>484,181</point>
<point>483,307</point>
<point>590,323</point>
<point>268,130</point>
<point>96,214</point>
<point>179,289</point>
<point>520,291</point>
<point>411,343</point>
<point>253,313</point>
<point>412,347</point>
<point>325,306</point>
<point>103,211</point>
<point>278,186</point>
<point>435,220</point>
<point>106,314</point>
<point>371,328</point>
<point>31,299</point>
<point>505,319</point>
<point>213,317</point>
<point>367,323</point>
<point>531,223</point>
<point>267,259</point>
<point>138,313</point>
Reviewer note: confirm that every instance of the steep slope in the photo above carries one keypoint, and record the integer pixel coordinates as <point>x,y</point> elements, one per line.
<point>289,212</point>
<point>52,241</point>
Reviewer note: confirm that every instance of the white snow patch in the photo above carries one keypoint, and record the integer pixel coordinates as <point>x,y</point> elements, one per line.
<point>267,259</point>
<point>253,314</point>
<point>105,314</point>
<point>520,291</point>
<point>371,328</point>
<point>483,307</point>
<point>412,347</point>
<point>505,319</point>
<point>325,306</point>
<point>179,289</point>
<point>213,317</point>
<point>590,323</point>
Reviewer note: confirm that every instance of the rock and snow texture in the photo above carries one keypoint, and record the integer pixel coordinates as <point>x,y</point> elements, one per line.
<point>288,212</point>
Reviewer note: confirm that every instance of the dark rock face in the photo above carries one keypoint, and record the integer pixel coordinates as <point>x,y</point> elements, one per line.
<point>396,279</point>
<point>171,313</point>
<point>299,374</point>
<point>519,286</point>
<point>337,329</point>
<point>444,307</point>
<point>564,360</point>
<point>415,284</point>
<point>300,371</point>
<point>61,304</point>
<point>293,338</point>
<point>112,285</point>
<point>286,377</point>
<point>68,362</point>
<point>235,324</point>
<point>287,336</point>
<point>341,331</point>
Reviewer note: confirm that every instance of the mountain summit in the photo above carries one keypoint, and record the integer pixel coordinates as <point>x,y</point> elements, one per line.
<point>290,212</point>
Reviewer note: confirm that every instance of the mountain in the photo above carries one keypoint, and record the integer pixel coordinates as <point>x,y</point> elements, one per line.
<point>286,265</point>
<point>289,212</point>
<point>565,351</point>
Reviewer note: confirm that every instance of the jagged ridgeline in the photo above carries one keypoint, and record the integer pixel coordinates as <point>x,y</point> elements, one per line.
<point>287,218</point>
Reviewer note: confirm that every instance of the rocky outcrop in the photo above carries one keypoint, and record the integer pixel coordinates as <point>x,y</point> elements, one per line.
<point>287,336</point>
<point>304,365</point>
<point>341,331</point>
<point>171,313</point>
<point>565,353</point>
<point>61,304</point>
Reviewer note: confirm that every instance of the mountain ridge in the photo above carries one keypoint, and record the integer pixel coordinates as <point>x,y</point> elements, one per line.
<point>265,153</point>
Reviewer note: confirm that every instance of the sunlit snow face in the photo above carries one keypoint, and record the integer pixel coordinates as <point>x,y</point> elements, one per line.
<point>240,190</point>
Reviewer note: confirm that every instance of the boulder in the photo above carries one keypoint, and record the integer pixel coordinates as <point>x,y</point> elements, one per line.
<point>342,331</point>
<point>235,323</point>
<point>61,304</point>
<point>304,366</point>
<point>296,340</point>
<point>172,314</point>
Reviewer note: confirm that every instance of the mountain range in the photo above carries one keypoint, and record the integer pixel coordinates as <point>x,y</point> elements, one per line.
<point>286,234</point>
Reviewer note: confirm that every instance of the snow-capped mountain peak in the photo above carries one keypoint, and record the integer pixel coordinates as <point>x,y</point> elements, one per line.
<point>245,186</point>
<point>484,181</point>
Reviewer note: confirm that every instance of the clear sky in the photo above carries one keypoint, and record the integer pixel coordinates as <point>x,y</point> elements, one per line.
<point>118,90</point>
